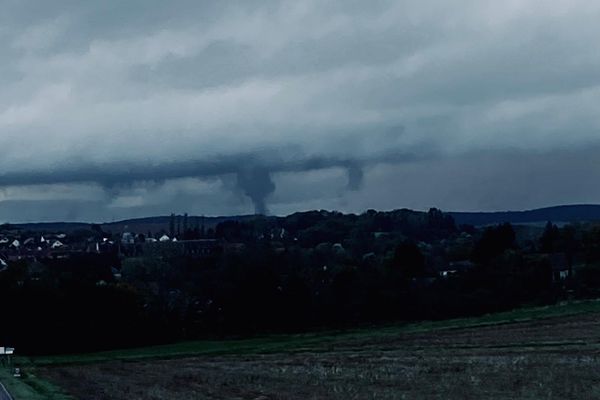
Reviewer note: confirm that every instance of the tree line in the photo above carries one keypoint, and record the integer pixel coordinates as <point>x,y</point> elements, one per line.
<point>303,272</point>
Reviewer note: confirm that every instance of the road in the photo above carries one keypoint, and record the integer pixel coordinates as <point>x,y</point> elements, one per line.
<point>4,395</point>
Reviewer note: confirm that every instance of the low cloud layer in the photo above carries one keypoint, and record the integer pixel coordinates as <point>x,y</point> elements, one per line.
<point>240,107</point>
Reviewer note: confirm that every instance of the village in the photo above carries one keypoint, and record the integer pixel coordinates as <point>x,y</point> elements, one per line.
<point>449,255</point>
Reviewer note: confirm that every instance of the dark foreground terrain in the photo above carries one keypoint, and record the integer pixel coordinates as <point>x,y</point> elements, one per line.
<point>557,357</point>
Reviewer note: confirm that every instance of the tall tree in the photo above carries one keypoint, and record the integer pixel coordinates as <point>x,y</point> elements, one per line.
<point>494,241</point>
<point>172,225</point>
<point>185,226</point>
<point>409,260</point>
<point>549,239</point>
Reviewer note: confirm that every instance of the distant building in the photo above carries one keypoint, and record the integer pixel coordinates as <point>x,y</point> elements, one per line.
<point>456,267</point>
<point>560,266</point>
<point>128,238</point>
<point>195,248</point>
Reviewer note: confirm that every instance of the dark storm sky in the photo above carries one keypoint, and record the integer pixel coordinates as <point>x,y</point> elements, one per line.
<point>119,109</point>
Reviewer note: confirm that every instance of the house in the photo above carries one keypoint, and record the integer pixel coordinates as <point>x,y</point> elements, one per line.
<point>421,282</point>
<point>338,249</point>
<point>3,264</point>
<point>456,267</point>
<point>36,270</point>
<point>235,247</point>
<point>116,273</point>
<point>379,235</point>
<point>560,266</point>
<point>127,238</point>
<point>369,257</point>
<point>197,248</point>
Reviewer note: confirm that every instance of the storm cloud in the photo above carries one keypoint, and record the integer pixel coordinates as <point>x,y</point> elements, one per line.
<point>116,109</point>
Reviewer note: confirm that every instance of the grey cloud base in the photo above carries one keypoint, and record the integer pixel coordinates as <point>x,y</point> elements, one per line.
<point>121,108</point>
<point>485,181</point>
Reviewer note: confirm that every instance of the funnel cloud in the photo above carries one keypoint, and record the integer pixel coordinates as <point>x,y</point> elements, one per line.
<point>256,183</point>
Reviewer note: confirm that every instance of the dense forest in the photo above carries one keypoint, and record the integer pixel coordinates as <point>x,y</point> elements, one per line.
<point>307,271</point>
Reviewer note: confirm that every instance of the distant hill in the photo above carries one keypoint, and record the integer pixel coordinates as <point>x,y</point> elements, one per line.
<point>571,213</point>
<point>52,226</point>
<point>138,225</point>
<point>158,224</point>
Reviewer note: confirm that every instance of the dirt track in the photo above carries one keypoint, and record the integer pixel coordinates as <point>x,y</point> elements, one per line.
<point>555,358</point>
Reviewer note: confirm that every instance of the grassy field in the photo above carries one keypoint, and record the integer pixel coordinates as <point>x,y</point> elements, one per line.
<point>320,341</point>
<point>544,352</point>
<point>31,387</point>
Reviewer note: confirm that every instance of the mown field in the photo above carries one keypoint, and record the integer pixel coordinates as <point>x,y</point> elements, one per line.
<point>538,353</point>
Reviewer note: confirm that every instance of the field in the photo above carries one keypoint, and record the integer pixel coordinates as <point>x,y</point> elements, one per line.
<point>542,353</point>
